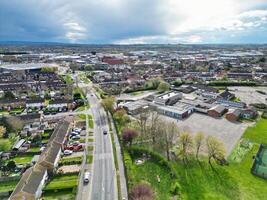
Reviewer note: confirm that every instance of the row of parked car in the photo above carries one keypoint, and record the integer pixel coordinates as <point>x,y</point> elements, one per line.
<point>74,145</point>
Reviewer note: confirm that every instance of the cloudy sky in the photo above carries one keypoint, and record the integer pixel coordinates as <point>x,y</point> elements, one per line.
<point>134,21</point>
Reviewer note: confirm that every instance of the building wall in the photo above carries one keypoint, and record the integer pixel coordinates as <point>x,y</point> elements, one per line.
<point>231,117</point>
<point>214,113</point>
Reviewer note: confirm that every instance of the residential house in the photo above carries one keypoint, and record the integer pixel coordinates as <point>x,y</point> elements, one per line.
<point>31,184</point>
<point>9,104</point>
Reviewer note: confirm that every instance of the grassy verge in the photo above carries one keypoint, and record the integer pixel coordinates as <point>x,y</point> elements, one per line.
<point>89,159</point>
<point>90,121</point>
<point>71,160</point>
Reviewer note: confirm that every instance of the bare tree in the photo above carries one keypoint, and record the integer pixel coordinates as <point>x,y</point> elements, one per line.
<point>154,129</point>
<point>185,143</point>
<point>216,149</point>
<point>142,191</point>
<point>142,121</point>
<point>128,136</point>
<point>199,140</point>
<point>2,131</point>
<point>168,136</point>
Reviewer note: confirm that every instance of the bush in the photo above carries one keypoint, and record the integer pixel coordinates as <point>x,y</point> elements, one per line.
<point>229,83</point>
<point>175,188</point>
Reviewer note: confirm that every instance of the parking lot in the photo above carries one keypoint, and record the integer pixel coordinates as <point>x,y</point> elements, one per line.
<point>226,131</point>
<point>249,94</point>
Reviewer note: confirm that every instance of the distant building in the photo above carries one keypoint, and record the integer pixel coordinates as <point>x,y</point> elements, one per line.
<point>231,103</point>
<point>233,115</point>
<point>178,111</point>
<point>168,98</point>
<point>217,111</point>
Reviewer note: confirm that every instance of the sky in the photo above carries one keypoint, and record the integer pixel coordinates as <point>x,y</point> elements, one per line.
<point>134,21</point>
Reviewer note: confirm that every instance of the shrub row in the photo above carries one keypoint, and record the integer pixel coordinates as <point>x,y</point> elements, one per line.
<point>229,83</point>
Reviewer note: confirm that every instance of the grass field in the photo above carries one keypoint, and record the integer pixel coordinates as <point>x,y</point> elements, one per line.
<point>62,182</point>
<point>22,159</point>
<point>257,133</point>
<point>8,186</point>
<point>199,180</point>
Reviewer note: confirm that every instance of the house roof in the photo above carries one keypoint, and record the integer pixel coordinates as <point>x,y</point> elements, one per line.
<point>234,112</point>
<point>226,94</point>
<point>29,182</point>
<point>218,108</point>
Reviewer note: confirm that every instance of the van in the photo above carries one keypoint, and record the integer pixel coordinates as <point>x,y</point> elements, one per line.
<point>86,177</point>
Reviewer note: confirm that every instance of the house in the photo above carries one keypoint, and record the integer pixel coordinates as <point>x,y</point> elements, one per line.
<point>217,111</point>
<point>249,113</point>
<point>11,104</point>
<point>35,103</point>
<point>168,98</point>
<point>61,104</point>
<point>31,184</point>
<point>233,115</point>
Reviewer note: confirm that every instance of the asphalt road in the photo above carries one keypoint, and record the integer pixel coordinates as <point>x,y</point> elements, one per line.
<point>103,181</point>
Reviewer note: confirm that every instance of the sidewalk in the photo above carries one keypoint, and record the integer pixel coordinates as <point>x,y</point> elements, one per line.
<point>123,183</point>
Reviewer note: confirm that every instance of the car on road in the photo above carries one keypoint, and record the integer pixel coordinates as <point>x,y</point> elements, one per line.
<point>68,152</point>
<point>105,132</point>
<point>86,177</point>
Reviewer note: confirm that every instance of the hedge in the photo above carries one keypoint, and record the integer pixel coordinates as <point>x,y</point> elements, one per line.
<point>228,83</point>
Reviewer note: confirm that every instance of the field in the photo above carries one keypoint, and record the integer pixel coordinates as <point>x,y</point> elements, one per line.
<point>198,180</point>
<point>257,133</point>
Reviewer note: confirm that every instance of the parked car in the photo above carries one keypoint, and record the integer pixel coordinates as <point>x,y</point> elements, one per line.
<point>68,148</point>
<point>68,152</point>
<point>75,143</point>
<point>75,137</point>
<point>105,132</point>
<point>86,177</point>
<point>78,147</point>
<point>77,129</point>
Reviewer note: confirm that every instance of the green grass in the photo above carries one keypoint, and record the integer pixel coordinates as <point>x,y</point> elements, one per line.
<point>90,140</point>
<point>22,159</point>
<point>148,172</point>
<point>68,79</point>
<point>8,186</point>
<point>82,140</point>
<point>62,182</point>
<point>89,159</point>
<point>82,116</point>
<point>90,148</point>
<point>81,108</point>
<point>34,149</point>
<point>71,160</point>
<point>58,195</point>
<point>257,133</point>
<point>84,78</point>
<point>90,121</point>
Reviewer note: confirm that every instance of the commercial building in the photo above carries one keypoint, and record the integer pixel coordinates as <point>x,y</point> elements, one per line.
<point>169,98</point>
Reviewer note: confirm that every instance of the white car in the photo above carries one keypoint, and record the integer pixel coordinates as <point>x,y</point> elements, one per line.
<point>68,152</point>
<point>86,177</point>
<point>77,129</point>
<point>75,137</point>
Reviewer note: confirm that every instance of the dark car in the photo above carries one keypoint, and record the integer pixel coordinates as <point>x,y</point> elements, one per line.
<point>105,132</point>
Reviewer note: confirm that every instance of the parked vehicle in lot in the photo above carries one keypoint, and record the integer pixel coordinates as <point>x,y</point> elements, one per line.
<point>74,133</point>
<point>75,143</point>
<point>74,148</point>
<point>68,152</point>
<point>86,177</point>
<point>77,129</point>
<point>75,137</point>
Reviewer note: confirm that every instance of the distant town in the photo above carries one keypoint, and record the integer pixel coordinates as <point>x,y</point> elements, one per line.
<point>133,121</point>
